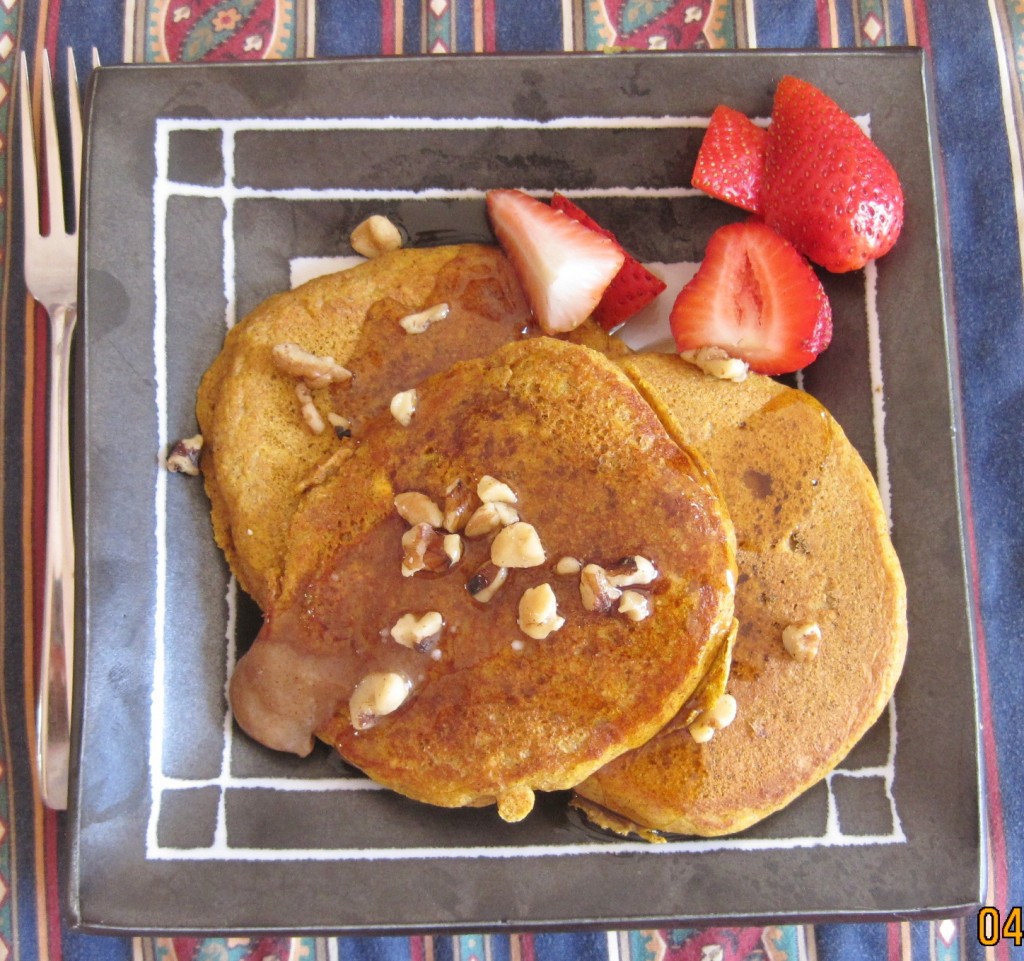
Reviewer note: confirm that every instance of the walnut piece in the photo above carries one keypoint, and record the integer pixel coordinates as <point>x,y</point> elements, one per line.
<point>459,504</point>
<point>517,545</point>
<point>596,591</point>
<point>420,633</point>
<point>716,718</point>
<point>403,406</point>
<point>308,408</point>
<point>184,456</point>
<point>634,606</point>
<point>493,491</point>
<point>487,518</point>
<point>568,566</point>
<point>802,641</point>
<point>423,549</point>
<point>716,362</point>
<point>486,582</point>
<point>375,696</point>
<point>422,320</point>
<point>538,612</point>
<point>415,507</point>
<point>313,369</point>
<point>375,236</point>
<point>631,571</point>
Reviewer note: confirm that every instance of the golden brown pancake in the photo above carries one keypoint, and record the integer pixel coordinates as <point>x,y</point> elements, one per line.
<point>258,451</point>
<point>494,710</point>
<point>813,548</point>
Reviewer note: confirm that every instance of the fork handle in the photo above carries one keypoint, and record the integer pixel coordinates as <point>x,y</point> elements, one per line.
<point>53,709</point>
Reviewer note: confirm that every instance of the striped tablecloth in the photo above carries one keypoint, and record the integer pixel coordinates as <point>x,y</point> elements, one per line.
<point>977,53</point>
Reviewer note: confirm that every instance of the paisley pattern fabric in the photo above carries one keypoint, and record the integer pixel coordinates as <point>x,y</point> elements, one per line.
<point>976,51</point>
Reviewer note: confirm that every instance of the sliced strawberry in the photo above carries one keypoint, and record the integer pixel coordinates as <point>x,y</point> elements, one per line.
<point>563,266</point>
<point>730,162</point>
<point>827,188</point>
<point>634,286</point>
<point>755,297</point>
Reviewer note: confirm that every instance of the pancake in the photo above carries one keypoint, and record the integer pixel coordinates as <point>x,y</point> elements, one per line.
<point>259,452</point>
<point>813,548</point>
<point>503,697</point>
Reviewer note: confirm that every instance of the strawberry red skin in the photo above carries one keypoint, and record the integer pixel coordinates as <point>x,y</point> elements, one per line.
<point>755,297</point>
<point>827,187</point>
<point>633,287</point>
<point>730,162</point>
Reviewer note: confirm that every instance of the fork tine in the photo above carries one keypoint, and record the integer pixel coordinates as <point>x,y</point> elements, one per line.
<point>29,177</point>
<point>51,155</point>
<point>75,122</point>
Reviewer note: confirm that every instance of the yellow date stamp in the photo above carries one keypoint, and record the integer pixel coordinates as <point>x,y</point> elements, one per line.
<point>995,926</point>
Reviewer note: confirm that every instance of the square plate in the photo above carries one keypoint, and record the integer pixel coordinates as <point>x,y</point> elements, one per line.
<point>206,186</point>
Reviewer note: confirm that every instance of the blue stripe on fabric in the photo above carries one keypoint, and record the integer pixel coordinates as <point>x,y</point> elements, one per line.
<point>845,942</point>
<point>105,33</point>
<point>590,946</point>
<point>356,34</point>
<point>412,34</point>
<point>374,949</point>
<point>777,27</point>
<point>464,33</point>
<point>530,28</point>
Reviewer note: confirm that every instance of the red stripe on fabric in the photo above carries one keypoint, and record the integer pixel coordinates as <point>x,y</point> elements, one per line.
<point>490,27</point>
<point>51,35</point>
<point>893,942</point>
<point>53,899</point>
<point>824,23</point>
<point>527,950</point>
<point>416,949</point>
<point>924,39</point>
<point>387,27</point>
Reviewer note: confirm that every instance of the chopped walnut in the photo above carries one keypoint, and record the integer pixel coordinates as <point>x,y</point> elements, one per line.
<point>420,633</point>
<point>568,566</point>
<point>716,718</point>
<point>184,456</point>
<point>423,549</point>
<point>596,591</point>
<point>517,545</point>
<point>802,641</point>
<point>342,425</point>
<point>452,545</point>
<point>375,696</point>
<point>487,518</point>
<point>631,572</point>
<point>459,503</point>
<point>486,582</point>
<point>538,612</point>
<point>634,605</point>
<point>415,507</point>
<point>310,414</point>
<point>314,370</point>
<point>403,406</point>
<point>716,362</point>
<point>375,236</point>
<point>493,491</point>
<point>422,320</point>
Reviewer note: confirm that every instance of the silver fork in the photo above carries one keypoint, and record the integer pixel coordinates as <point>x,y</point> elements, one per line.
<point>51,275</point>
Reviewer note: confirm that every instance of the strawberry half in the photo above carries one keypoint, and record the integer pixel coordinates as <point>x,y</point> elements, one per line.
<point>755,297</point>
<point>827,188</point>
<point>632,288</point>
<point>563,266</point>
<point>730,162</point>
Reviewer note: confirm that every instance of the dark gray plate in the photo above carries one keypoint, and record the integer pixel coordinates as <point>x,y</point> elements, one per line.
<point>204,186</point>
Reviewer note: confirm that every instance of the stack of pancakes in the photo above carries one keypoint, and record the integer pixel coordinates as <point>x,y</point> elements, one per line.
<point>729,499</point>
